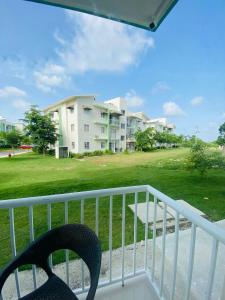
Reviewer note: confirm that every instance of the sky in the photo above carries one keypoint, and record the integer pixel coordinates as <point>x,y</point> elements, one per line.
<point>178,72</point>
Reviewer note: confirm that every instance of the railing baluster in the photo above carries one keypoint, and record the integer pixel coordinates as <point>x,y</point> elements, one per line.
<point>67,251</point>
<point>212,268</point>
<point>135,232</point>
<point>154,237</point>
<point>49,228</point>
<point>123,234</point>
<point>82,222</point>
<point>176,243</point>
<point>31,227</point>
<point>110,237</point>
<point>163,250</point>
<point>13,246</point>
<point>191,261</point>
<point>96,216</point>
<point>146,231</point>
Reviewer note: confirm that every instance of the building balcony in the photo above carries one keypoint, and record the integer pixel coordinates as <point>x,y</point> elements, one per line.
<point>102,122</point>
<point>101,137</point>
<point>130,138</point>
<point>113,122</point>
<point>153,258</point>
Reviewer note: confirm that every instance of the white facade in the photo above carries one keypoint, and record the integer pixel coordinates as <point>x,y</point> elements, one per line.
<point>85,125</point>
<point>6,126</point>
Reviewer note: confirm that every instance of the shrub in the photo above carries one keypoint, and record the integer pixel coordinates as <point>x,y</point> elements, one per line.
<point>88,153</point>
<point>126,151</point>
<point>51,152</point>
<point>98,153</point>
<point>110,152</point>
<point>72,155</point>
<point>78,155</point>
<point>198,158</point>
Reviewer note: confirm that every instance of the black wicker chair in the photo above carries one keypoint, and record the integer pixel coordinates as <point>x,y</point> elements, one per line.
<point>76,237</point>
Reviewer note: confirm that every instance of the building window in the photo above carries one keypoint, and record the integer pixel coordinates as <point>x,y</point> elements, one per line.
<point>122,137</point>
<point>73,145</point>
<point>86,145</point>
<point>86,127</point>
<point>122,126</point>
<point>102,130</point>
<point>102,145</point>
<point>123,112</point>
<point>72,110</point>
<point>72,127</point>
<point>103,115</point>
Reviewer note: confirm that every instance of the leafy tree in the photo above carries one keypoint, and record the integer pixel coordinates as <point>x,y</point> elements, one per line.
<point>13,138</point>
<point>198,158</point>
<point>41,129</point>
<point>221,138</point>
<point>145,140</point>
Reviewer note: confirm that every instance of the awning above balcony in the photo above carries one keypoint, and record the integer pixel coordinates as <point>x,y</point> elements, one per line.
<point>147,14</point>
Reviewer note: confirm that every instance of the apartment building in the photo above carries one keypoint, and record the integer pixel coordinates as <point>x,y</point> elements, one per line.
<point>85,125</point>
<point>6,126</point>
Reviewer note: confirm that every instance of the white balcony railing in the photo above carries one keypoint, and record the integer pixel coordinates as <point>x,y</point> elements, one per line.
<point>131,261</point>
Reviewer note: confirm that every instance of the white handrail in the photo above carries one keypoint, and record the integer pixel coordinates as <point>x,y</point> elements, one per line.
<point>12,203</point>
<point>214,230</point>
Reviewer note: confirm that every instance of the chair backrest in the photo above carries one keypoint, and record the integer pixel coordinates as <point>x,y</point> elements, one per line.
<point>76,237</point>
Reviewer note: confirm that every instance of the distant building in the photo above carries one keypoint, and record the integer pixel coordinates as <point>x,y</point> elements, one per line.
<point>85,125</point>
<point>6,126</point>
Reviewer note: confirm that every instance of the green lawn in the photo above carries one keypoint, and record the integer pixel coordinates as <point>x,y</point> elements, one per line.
<point>33,175</point>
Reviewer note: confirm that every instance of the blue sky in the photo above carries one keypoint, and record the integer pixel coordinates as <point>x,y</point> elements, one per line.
<point>178,72</point>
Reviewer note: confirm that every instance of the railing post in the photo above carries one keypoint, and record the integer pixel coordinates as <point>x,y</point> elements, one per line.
<point>212,268</point>
<point>110,236</point>
<point>146,231</point>
<point>31,226</point>
<point>13,246</point>
<point>67,251</point>
<point>135,232</point>
<point>191,261</point>
<point>154,237</point>
<point>123,234</point>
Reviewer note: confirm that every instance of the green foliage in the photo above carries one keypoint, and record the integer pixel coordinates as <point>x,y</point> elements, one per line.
<point>148,139</point>
<point>145,140</point>
<point>13,138</point>
<point>110,152</point>
<point>221,137</point>
<point>41,129</point>
<point>216,160</point>
<point>51,152</point>
<point>201,159</point>
<point>78,155</point>
<point>126,151</point>
<point>98,153</point>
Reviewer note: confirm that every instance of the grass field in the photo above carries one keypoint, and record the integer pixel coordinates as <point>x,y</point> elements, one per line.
<point>34,175</point>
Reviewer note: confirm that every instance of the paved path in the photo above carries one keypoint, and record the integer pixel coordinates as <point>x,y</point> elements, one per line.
<point>15,152</point>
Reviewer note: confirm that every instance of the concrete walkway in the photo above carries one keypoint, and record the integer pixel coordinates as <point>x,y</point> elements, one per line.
<point>15,152</point>
<point>170,216</point>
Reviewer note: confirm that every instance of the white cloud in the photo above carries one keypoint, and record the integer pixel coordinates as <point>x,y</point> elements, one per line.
<point>11,91</point>
<point>133,100</point>
<point>94,44</point>
<point>101,45</point>
<point>172,109</point>
<point>50,77</point>
<point>160,87</point>
<point>196,101</point>
<point>21,104</point>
